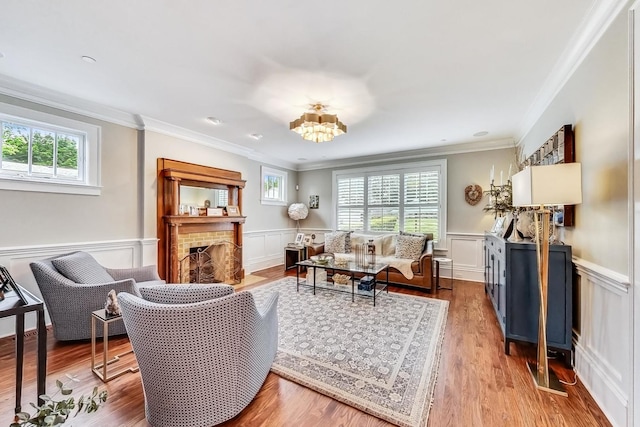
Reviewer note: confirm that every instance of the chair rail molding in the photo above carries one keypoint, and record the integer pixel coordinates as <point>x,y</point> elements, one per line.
<point>125,253</point>
<point>602,337</point>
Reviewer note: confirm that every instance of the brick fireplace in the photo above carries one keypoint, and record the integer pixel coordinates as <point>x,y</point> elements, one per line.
<point>177,233</point>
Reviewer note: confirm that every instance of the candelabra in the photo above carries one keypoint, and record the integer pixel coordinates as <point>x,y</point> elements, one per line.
<point>500,198</point>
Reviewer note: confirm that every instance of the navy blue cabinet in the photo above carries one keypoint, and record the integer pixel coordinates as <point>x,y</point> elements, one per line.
<point>511,282</point>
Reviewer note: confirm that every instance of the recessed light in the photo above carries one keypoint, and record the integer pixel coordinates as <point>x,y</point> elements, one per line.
<point>481,133</point>
<point>214,120</point>
<point>256,136</point>
<point>89,59</point>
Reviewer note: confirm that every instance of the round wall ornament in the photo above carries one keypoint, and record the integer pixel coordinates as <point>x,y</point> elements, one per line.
<point>473,194</point>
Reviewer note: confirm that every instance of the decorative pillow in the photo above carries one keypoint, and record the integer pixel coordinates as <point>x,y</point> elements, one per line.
<point>404,233</point>
<point>410,247</point>
<point>81,267</point>
<point>389,244</point>
<point>335,242</point>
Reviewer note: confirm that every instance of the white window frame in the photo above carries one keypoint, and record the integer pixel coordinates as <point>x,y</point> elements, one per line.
<point>401,168</point>
<point>89,185</point>
<point>283,175</point>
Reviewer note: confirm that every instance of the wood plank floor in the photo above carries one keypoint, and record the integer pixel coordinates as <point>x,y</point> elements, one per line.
<point>478,385</point>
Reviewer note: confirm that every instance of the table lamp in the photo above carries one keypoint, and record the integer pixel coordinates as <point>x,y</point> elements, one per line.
<point>545,186</point>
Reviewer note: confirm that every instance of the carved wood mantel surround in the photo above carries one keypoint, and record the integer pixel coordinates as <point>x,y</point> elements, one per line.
<point>172,174</point>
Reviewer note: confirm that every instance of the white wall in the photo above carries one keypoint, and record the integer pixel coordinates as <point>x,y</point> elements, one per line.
<point>596,101</point>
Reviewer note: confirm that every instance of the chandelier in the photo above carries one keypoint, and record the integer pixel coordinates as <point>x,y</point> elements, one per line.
<point>317,125</point>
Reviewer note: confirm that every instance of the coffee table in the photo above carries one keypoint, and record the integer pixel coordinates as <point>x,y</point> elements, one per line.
<point>351,269</point>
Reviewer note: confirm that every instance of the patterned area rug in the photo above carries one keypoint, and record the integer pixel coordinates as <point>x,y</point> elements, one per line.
<point>382,360</point>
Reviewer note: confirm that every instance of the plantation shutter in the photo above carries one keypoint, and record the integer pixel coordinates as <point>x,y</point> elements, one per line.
<point>350,203</point>
<point>422,202</point>
<point>383,202</point>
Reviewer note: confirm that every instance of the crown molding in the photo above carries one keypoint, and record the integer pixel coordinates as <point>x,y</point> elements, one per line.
<point>588,33</point>
<point>165,128</point>
<point>468,147</point>
<point>49,98</point>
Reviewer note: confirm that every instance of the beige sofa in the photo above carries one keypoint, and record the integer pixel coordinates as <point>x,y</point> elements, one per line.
<point>417,274</point>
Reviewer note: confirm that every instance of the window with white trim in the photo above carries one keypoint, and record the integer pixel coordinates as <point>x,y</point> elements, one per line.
<point>410,197</point>
<point>47,153</point>
<point>274,186</point>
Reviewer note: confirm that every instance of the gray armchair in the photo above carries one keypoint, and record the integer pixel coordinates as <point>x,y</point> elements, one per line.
<point>203,350</point>
<point>74,285</point>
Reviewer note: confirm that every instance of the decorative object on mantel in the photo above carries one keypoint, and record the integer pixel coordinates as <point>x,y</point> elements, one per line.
<point>112,307</point>
<point>499,195</point>
<point>542,186</point>
<point>298,211</point>
<point>317,125</point>
<point>473,194</point>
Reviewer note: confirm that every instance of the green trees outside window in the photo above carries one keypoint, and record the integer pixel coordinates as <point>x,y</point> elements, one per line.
<point>48,152</point>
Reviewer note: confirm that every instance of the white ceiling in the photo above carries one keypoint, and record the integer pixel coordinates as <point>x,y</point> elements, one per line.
<point>404,75</point>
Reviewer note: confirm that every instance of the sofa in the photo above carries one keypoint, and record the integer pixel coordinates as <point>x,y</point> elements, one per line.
<point>415,271</point>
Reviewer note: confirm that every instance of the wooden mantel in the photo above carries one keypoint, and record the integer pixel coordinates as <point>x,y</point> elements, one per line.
<point>171,175</point>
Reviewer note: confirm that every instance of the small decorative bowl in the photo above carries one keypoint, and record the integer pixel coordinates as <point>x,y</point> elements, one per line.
<point>321,259</point>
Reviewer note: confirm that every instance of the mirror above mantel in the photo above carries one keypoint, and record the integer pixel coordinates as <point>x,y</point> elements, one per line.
<point>188,184</point>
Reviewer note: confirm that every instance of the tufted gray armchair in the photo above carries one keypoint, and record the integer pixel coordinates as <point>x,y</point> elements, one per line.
<point>70,301</point>
<point>203,350</point>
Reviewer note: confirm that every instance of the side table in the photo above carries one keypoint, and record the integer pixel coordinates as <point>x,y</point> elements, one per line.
<point>11,306</point>
<point>101,369</point>
<point>443,260</point>
<point>293,254</point>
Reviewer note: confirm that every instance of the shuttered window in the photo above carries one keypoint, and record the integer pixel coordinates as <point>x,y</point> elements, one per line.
<point>407,197</point>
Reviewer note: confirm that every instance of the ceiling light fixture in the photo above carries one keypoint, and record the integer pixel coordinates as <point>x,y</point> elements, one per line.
<point>256,136</point>
<point>214,120</point>
<point>89,59</point>
<point>317,125</point>
<point>481,133</point>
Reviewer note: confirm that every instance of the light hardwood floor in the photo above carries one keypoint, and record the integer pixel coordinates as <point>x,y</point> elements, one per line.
<point>478,385</point>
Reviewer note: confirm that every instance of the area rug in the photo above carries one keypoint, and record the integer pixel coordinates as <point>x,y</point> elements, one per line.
<point>382,360</point>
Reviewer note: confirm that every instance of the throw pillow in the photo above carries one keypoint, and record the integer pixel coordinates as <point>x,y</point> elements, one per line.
<point>403,233</point>
<point>81,267</point>
<point>410,247</point>
<point>335,242</point>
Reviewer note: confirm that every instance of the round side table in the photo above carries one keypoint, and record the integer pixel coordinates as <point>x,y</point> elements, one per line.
<point>443,260</point>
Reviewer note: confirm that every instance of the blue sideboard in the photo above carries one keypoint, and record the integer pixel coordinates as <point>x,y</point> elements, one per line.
<point>511,282</point>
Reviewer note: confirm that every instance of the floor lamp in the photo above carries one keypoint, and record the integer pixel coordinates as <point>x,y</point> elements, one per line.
<point>544,186</point>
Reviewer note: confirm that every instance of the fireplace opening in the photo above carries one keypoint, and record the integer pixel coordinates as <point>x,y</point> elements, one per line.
<point>216,263</point>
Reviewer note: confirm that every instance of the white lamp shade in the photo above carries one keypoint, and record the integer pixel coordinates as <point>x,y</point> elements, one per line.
<point>550,185</point>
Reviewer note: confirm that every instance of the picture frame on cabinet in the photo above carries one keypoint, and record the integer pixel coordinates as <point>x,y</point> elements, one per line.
<point>497,225</point>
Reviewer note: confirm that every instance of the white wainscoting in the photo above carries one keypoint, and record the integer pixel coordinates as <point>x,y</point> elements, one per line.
<point>603,336</point>
<point>265,248</point>
<point>114,254</point>
<point>467,252</point>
